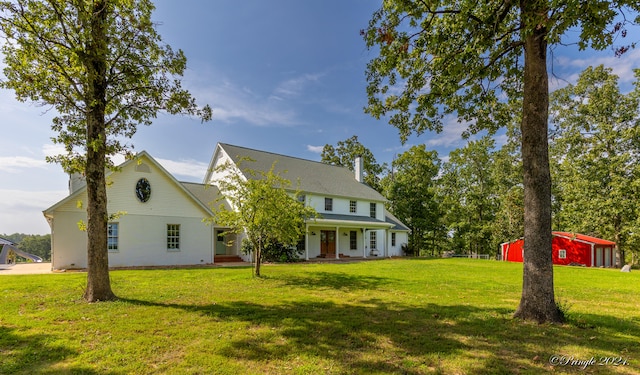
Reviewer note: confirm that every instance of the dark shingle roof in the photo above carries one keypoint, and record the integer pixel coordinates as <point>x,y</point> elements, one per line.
<point>206,194</point>
<point>359,219</point>
<point>398,225</point>
<point>313,177</point>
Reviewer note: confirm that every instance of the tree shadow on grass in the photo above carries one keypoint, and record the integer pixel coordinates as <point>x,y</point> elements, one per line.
<point>374,336</point>
<point>34,354</point>
<point>334,280</point>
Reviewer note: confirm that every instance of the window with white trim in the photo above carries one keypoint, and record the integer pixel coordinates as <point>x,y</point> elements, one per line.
<point>173,237</point>
<point>372,210</point>
<point>353,207</point>
<point>328,204</point>
<point>373,240</point>
<point>353,240</point>
<point>562,254</point>
<point>112,237</point>
<point>393,239</point>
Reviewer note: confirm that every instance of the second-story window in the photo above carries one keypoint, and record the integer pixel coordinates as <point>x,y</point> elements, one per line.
<point>372,209</point>
<point>353,206</point>
<point>328,204</point>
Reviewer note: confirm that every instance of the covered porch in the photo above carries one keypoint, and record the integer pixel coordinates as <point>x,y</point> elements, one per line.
<point>345,236</point>
<point>227,247</point>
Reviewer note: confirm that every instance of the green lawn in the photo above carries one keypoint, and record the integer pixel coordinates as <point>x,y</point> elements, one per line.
<point>449,316</point>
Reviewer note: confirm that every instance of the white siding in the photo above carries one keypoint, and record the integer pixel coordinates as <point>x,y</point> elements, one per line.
<point>341,206</point>
<point>142,226</point>
<point>68,242</point>
<point>401,239</point>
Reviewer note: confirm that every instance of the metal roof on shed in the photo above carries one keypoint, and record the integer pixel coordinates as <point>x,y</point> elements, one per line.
<point>584,237</point>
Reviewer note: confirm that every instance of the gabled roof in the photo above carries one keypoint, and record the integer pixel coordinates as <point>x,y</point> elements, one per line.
<point>194,193</point>
<point>313,177</point>
<point>584,238</point>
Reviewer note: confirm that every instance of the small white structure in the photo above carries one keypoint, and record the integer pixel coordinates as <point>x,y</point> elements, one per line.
<point>159,221</point>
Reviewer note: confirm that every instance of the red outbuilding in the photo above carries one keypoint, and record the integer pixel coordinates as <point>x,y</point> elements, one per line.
<point>569,249</point>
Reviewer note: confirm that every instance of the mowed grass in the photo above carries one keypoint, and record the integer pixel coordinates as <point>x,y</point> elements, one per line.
<point>405,316</point>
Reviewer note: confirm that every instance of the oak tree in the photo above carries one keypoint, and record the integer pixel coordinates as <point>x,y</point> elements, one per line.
<point>470,59</point>
<point>103,68</point>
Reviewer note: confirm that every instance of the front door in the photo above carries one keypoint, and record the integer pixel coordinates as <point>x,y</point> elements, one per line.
<point>221,245</point>
<point>328,243</point>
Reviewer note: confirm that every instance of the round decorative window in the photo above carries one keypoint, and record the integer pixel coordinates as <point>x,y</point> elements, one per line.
<point>143,190</point>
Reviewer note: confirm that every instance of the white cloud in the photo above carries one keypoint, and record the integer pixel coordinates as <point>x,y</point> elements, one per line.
<point>21,211</point>
<point>451,134</point>
<point>186,168</point>
<point>53,149</point>
<point>293,87</point>
<point>315,149</point>
<point>230,103</point>
<point>14,164</point>
<point>622,66</point>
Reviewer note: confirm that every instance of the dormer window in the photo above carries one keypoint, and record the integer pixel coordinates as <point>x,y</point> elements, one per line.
<point>372,210</point>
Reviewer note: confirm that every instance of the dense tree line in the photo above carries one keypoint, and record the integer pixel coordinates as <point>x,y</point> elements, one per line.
<point>35,244</point>
<point>474,200</point>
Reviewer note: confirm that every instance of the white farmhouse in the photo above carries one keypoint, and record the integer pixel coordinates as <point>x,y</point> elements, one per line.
<point>159,221</point>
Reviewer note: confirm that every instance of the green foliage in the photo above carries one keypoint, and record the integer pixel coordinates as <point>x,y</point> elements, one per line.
<point>345,153</point>
<point>596,143</point>
<point>262,204</point>
<point>101,66</point>
<point>475,61</point>
<point>465,58</point>
<point>411,190</point>
<point>469,195</point>
<point>273,252</point>
<point>35,244</point>
<point>47,49</point>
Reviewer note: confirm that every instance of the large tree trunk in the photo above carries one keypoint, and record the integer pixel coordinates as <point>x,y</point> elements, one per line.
<point>537,302</point>
<point>98,282</point>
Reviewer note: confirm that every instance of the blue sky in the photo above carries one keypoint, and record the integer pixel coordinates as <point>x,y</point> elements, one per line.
<point>285,76</point>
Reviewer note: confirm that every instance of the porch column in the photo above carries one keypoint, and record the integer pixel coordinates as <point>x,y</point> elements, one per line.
<point>337,242</point>
<point>364,243</point>
<point>387,242</point>
<point>306,241</point>
<point>213,241</point>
